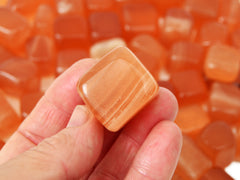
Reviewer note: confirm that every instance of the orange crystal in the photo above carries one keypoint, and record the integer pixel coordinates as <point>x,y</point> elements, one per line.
<point>218,142</point>
<point>216,174</point>
<point>104,25</point>
<point>192,162</point>
<point>94,5</point>
<point>235,38</point>
<point>222,63</point>
<point>14,29</point>
<point>116,88</point>
<point>1,144</point>
<point>70,7</point>
<point>9,121</point>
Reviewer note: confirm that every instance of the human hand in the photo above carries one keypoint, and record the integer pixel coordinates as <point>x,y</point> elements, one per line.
<point>60,140</point>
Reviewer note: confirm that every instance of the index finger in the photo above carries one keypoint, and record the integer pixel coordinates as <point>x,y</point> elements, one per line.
<point>51,114</point>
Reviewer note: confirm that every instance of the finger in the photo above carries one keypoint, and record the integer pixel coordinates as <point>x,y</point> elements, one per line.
<point>51,114</point>
<point>158,156</point>
<point>119,158</point>
<point>66,155</point>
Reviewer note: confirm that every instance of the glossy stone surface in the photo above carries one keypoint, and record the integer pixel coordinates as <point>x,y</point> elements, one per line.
<point>235,38</point>
<point>218,142</point>
<point>236,132</point>
<point>9,121</point>
<point>192,118</point>
<point>139,18</point>
<point>70,7</point>
<point>71,31</point>
<point>193,162</point>
<point>96,5</point>
<point>150,52</point>
<point>216,173</point>
<point>222,63</point>
<point>13,28</point>
<point>100,48</point>
<point>116,88</point>
<point>104,25</point>
<point>224,102</point>
<point>185,55</point>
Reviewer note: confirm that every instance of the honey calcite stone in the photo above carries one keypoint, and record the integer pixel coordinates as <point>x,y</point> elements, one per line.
<point>9,121</point>
<point>139,18</point>
<point>14,29</point>
<point>222,63</point>
<point>216,173</point>
<point>150,51</point>
<point>192,162</point>
<point>192,118</point>
<point>224,102</point>
<point>218,142</point>
<point>116,88</point>
<point>186,55</point>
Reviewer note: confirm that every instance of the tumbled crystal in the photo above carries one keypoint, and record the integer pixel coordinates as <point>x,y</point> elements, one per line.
<point>216,174</point>
<point>100,88</point>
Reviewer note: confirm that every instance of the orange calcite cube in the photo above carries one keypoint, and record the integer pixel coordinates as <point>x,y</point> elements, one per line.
<point>9,121</point>
<point>224,102</point>
<point>44,20</point>
<point>235,38</point>
<point>150,52</point>
<point>177,25</point>
<point>71,31</point>
<point>222,63</point>
<point>17,76</point>
<point>185,55</point>
<point>116,88</point>
<point>216,174</point>
<point>189,86</point>
<point>1,144</point>
<point>213,32</point>
<point>70,7</point>
<point>67,57</point>
<point>192,118</point>
<point>94,5</point>
<point>176,177</point>
<point>139,18</point>
<point>203,8</point>
<point>218,142</point>
<point>192,162</point>
<point>5,54</point>
<point>165,4</point>
<point>42,52</point>
<point>14,29</point>
<point>104,25</point>
<point>29,101</point>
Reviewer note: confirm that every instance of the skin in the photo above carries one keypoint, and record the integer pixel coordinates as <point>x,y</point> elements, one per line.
<point>61,139</point>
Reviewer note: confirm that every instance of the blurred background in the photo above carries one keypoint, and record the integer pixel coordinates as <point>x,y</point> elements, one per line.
<point>190,47</point>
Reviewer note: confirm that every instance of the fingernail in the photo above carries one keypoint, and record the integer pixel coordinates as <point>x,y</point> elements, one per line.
<point>79,116</point>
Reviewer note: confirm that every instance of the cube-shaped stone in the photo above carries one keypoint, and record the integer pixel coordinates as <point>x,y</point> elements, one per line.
<point>70,7</point>
<point>222,63</point>
<point>235,38</point>
<point>116,88</point>
<point>216,173</point>
<point>96,5</point>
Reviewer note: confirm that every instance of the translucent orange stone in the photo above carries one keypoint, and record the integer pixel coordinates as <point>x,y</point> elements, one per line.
<point>18,75</point>
<point>29,101</point>
<point>203,8</point>
<point>176,177</point>
<point>222,63</point>
<point>236,131</point>
<point>139,18</point>
<point>192,90</point>
<point>192,162</point>
<point>13,28</point>
<point>216,173</point>
<point>235,38</point>
<point>185,55</point>
<point>44,20</point>
<point>94,5</point>
<point>1,144</point>
<point>153,57</point>
<point>5,54</point>
<point>165,4</point>
<point>218,142</point>
<point>177,25</point>
<point>67,57</point>
<point>104,25</point>
<point>116,88</point>
<point>224,102</point>
<point>192,118</point>
<point>9,121</point>
<point>70,7</point>
<point>213,32</point>
<point>71,31</point>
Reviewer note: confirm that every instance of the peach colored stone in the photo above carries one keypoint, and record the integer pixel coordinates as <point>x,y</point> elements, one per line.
<point>116,88</point>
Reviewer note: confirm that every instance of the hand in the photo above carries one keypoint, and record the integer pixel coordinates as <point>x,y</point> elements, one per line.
<point>60,139</point>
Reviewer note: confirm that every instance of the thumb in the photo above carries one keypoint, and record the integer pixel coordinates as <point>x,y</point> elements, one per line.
<point>69,154</point>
